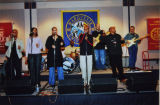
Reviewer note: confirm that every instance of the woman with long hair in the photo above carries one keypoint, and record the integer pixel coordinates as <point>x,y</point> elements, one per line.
<point>33,55</point>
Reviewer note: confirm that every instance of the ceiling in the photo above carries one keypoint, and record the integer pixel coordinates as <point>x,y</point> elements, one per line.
<point>21,1</point>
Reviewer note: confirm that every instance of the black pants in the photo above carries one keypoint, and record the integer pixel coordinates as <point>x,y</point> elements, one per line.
<point>13,68</point>
<point>34,63</point>
<point>116,63</point>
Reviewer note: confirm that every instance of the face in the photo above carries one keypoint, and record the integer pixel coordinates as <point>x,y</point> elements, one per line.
<point>54,31</point>
<point>132,30</point>
<point>34,30</point>
<point>86,29</point>
<point>113,30</point>
<point>15,33</point>
<point>97,26</point>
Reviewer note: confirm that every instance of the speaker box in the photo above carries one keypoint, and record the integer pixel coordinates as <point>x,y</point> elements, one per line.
<point>141,83</point>
<point>30,5</point>
<point>69,86</point>
<point>129,2</point>
<point>103,85</point>
<point>13,87</point>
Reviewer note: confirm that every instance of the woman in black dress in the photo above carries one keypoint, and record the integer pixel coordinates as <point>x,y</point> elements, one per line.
<point>54,44</point>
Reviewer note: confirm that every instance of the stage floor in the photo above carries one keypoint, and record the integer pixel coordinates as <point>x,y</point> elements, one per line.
<point>46,90</point>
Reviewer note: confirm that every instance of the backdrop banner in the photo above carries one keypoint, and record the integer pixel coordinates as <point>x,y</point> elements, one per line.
<point>5,31</point>
<point>153,26</point>
<point>73,21</point>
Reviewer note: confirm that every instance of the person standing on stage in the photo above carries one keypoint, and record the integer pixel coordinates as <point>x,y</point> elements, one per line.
<point>14,56</point>
<point>86,48</point>
<point>132,49</point>
<point>113,42</point>
<point>99,48</point>
<point>33,56</point>
<point>54,44</point>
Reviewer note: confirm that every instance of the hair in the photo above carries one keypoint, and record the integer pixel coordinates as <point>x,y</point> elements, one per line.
<point>132,26</point>
<point>31,34</point>
<point>54,27</point>
<point>14,30</point>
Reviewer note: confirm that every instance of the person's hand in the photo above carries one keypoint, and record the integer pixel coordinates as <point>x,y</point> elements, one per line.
<point>86,37</point>
<point>53,46</point>
<point>61,43</point>
<point>19,47</point>
<point>128,42</point>
<point>94,39</point>
<point>37,45</point>
<point>6,58</point>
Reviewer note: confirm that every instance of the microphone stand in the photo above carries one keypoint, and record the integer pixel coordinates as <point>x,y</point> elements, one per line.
<point>54,58</point>
<point>11,58</point>
<point>86,65</point>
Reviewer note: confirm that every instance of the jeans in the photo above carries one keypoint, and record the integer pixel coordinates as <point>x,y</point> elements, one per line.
<point>52,74</point>
<point>100,58</point>
<point>34,63</point>
<point>132,56</point>
<point>116,63</point>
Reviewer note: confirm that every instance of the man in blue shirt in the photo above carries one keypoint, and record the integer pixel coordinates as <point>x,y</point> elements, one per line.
<point>133,49</point>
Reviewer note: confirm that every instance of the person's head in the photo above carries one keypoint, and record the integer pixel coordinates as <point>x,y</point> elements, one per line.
<point>132,29</point>
<point>72,43</point>
<point>97,26</point>
<point>112,30</point>
<point>54,31</point>
<point>34,31</point>
<point>14,33</point>
<point>86,28</point>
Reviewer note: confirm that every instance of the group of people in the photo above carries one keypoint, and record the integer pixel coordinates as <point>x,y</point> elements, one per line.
<point>88,44</point>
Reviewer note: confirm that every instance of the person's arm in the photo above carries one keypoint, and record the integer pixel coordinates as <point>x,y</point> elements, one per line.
<point>126,38</point>
<point>21,46</point>
<point>48,44</point>
<point>40,44</point>
<point>122,40</point>
<point>27,47</point>
<point>7,43</point>
<point>90,40</point>
<point>27,51</point>
<point>81,37</point>
<point>137,41</point>
<point>62,44</point>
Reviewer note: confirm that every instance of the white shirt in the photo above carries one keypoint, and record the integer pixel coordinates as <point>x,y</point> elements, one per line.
<point>9,44</point>
<point>33,49</point>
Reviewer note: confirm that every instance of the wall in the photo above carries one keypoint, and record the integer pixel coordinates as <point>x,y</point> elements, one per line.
<point>16,17</point>
<point>141,15</point>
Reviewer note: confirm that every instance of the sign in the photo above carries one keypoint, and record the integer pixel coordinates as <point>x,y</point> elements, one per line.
<point>153,26</point>
<point>73,21</point>
<point>5,30</point>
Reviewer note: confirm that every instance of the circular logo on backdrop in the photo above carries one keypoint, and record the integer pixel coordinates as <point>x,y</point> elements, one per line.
<point>155,34</point>
<point>74,26</point>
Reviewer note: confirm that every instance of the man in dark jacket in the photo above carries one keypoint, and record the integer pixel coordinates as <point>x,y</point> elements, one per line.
<point>114,41</point>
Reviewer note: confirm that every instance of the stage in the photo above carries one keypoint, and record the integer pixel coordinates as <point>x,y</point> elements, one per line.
<point>50,96</point>
<point>144,98</point>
